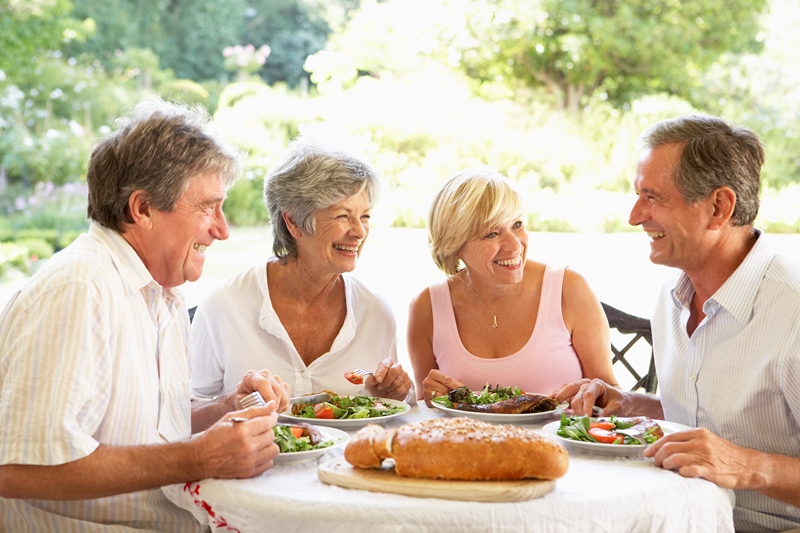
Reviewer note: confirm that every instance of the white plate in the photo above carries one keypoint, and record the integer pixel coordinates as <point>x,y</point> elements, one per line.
<point>617,450</point>
<point>336,435</point>
<point>351,423</point>
<point>522,418</point>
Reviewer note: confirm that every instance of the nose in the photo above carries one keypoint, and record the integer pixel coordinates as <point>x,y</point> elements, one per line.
<point>638,212</point>
<point>219,228</point>
<point>358,228</point>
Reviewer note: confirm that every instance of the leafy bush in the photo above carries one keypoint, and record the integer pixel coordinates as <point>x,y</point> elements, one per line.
<point>245,204</point>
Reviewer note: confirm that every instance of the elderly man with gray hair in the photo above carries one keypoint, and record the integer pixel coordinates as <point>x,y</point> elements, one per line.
<point>726,332</point>
<point>300,313</point>
<point>94,361</point>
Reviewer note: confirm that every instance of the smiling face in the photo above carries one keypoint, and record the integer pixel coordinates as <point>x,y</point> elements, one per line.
<point>341,231</point>
<point>499,255</point>
<point>173,249</point>
<point>678,232</point>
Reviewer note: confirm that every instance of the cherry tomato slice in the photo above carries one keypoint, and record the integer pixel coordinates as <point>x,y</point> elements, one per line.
<point>608,426</point>
<point>297,432</point>
<point>354,378</point>
<point>605,436</point>
<point>323,411</point>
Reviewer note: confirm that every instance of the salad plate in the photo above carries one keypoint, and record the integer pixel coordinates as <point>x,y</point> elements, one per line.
<point>614,450</point>
<point>351,423</point>
<point>336,435</point>
<point>521,418</point>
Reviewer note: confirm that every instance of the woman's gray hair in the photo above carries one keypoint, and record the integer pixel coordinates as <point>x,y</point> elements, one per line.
<point>713,154</point>
<point>310,177</point>
<point>159,148</point>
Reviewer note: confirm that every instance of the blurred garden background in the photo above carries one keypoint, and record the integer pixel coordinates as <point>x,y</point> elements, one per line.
<point>552,93</point>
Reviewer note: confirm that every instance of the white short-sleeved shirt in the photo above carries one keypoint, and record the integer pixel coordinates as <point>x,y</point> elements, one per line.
<point>236,329</point>
<point>92,351</point>
<point>739,373</point>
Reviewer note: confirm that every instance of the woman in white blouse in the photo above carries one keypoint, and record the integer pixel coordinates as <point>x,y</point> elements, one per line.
<point>300,314</point>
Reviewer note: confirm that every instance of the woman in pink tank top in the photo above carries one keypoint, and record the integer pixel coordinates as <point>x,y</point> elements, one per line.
<point>498,318</point>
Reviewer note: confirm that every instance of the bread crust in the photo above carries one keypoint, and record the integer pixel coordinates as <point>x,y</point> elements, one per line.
<point>461,449</point>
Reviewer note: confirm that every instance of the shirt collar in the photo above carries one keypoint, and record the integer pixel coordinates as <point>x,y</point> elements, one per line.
<point>134,274</point>
<point>738,293</point>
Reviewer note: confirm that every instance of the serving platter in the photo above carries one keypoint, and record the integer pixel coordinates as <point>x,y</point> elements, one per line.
<point>350,423</point>
<point>522,418</point>
<point>341,473</point>
<point>338,437</point>
<point>614,450</point>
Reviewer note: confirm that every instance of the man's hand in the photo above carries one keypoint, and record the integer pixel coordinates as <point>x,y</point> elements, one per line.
<point>240,445</point>
<point>437,383</point>
<point>389,381</point>
<point>699,453</point>
<point>585,394</point>
<point>271,388</point>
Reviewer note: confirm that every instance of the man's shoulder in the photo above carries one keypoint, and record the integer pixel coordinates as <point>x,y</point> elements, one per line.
<point>785,272</point>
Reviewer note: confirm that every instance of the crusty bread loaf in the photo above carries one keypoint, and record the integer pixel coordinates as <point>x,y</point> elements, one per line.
<point>459,449</point>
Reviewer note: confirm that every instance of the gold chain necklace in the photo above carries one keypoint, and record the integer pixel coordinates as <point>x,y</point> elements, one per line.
<point>494,315</point>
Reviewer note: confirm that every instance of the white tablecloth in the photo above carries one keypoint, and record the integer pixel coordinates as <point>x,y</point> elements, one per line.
<point>597,494</point>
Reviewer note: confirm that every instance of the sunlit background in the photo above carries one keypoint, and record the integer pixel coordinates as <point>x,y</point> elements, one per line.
<point>552,93</point>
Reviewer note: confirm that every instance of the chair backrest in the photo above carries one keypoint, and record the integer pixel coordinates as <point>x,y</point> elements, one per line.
<point>633,329</point>
<point>192,311</point>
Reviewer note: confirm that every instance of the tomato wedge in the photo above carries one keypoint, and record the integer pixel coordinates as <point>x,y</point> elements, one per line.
<point>608,426</point>
<point>297,431</point>
<point>354,378</point>
<point>323,411</point>
<point>605,436</point>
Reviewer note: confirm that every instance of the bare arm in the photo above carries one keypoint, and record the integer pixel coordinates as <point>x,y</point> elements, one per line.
<point>429,381</point>
<point>700,453</point>
<point>226,450</point>
<point>586,321</point>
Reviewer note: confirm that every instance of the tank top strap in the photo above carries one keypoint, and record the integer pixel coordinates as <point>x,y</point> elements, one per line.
<point>444,318</point>
<point>550,311</point>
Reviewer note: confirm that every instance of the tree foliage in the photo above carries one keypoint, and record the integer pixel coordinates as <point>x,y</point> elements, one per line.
<point>620,48</point>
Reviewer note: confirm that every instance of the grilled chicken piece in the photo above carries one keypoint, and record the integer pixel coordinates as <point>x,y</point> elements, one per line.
<point>524,403</point>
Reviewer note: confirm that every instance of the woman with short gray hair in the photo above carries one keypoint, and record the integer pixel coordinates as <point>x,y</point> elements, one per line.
<point>301,315</point>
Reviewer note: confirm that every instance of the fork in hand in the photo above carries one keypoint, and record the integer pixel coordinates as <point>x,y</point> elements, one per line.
<point>253,399</point>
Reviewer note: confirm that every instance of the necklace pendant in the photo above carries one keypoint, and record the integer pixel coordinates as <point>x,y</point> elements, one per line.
<point>495,322</point>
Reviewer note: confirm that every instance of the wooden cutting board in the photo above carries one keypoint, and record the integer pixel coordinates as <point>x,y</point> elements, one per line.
<point>340,472</point>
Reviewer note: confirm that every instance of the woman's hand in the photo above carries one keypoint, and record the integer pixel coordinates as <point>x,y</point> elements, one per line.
<point>271,388</point>
<point>436,384</point>
<point>389,381</point>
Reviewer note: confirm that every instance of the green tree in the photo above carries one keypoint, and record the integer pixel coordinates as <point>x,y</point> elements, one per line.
<point>621,49</point>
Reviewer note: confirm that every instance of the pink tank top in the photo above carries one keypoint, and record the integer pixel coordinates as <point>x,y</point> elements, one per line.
<point>546,362</point>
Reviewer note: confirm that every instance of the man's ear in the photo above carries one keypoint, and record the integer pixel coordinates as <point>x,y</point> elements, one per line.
<point>723,201</point>
<point>140,209</point>
<point>293,228</point>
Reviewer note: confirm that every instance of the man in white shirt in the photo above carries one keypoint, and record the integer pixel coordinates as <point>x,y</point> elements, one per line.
<point>726,333</point>
<point>94,366</point>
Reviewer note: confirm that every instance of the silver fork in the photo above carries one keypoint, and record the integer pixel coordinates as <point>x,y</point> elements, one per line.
<point>253,399</point>
<point>632,433</point>
<point>363,373</point>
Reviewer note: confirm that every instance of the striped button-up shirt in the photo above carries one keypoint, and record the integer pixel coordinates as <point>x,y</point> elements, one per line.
<point>739,373</point>
<point>92,351</point>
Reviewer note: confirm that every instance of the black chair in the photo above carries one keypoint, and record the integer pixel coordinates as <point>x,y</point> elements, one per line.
<point>638,328</point>
<point>192,311</point>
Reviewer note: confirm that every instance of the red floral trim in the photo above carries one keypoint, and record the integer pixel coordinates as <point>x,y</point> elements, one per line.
<point>193,488</point>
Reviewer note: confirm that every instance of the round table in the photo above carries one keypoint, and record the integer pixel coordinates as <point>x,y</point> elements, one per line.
<point>598,493</point>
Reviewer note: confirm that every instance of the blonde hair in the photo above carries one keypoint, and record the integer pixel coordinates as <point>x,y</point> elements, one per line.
<point>466,207</point>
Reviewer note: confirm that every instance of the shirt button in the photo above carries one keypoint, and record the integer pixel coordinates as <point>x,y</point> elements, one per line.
<point>693,377</point>
<point>304,373</point>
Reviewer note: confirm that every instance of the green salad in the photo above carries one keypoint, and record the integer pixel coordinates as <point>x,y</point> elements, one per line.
<point>603,430</point>
<point>488,395</point>
<point>347,407</point>
<point>292,439</point>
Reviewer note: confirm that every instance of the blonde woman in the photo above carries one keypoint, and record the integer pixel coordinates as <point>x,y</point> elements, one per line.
<point>499,318</point>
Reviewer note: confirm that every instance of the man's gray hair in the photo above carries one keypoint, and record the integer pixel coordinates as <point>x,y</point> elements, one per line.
<point>713,154</point>
<point>310,177</point>
<point>159,148</point>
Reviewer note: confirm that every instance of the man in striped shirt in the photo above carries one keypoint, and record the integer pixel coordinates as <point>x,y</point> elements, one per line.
<point>94,379</point>
<point>726,332</point>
